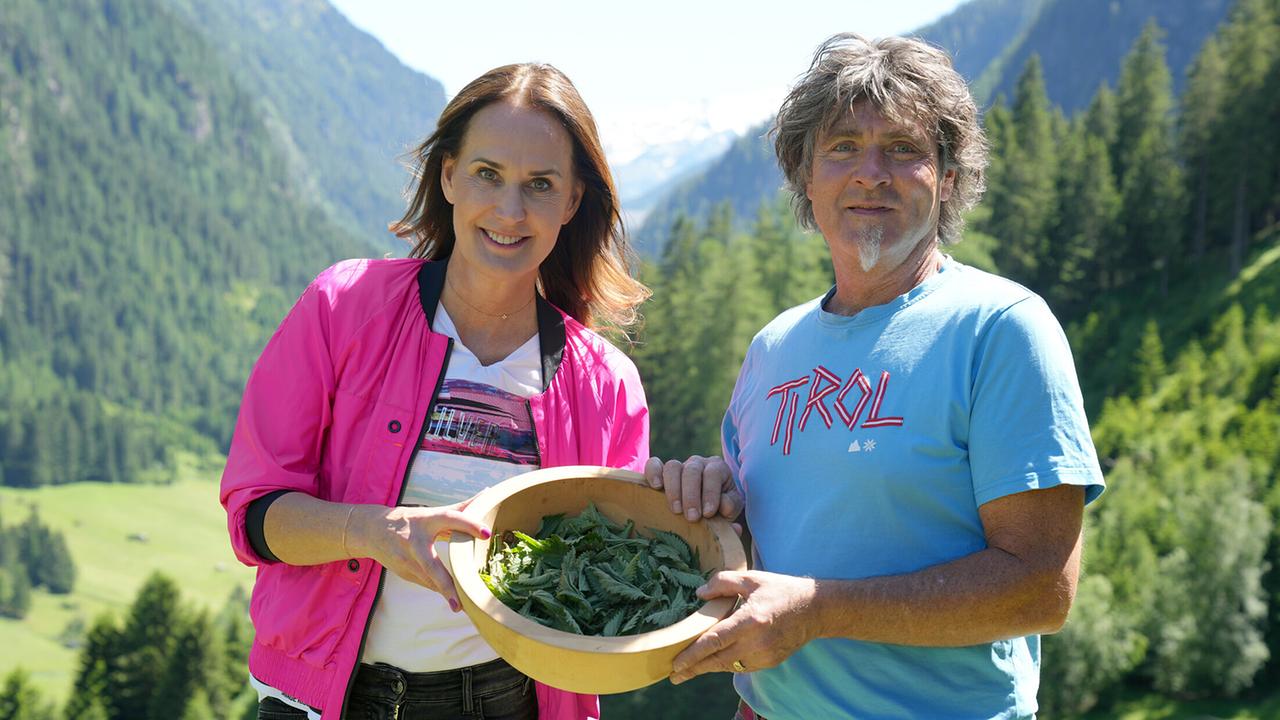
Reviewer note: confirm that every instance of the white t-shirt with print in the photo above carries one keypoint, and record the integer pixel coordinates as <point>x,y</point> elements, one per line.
<point>480,433</point>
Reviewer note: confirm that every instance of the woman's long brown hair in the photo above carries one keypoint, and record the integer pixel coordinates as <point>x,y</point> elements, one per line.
<point>587,273</point>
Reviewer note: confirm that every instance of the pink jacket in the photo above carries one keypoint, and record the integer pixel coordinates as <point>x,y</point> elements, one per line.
<point>334,408</point>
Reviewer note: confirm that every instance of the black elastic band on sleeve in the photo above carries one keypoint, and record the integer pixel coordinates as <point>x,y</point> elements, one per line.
<point>255,517</point>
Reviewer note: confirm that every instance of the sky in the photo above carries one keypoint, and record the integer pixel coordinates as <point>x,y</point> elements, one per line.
<point>651,71</point>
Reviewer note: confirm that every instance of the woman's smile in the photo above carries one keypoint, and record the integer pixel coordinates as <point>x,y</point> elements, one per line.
<point>504,240</point>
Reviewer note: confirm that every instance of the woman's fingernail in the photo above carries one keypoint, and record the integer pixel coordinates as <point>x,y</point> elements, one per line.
<point>485,533</point>
<point>453,605</point>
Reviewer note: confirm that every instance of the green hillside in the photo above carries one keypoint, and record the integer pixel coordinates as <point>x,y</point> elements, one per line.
<point>153,237</point>
<point>342,108</point>
<point>118,535</point>
<point>978,32</point>
<point>1081,43</point>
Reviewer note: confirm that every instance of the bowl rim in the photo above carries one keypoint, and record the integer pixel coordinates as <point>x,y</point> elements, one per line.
<point>483,507</point>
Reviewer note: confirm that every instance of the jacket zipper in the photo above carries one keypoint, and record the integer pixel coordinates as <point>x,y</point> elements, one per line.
<point>404,485</point>
<point>537,447</point>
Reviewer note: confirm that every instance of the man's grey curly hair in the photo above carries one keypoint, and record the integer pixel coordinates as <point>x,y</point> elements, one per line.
<point>907,80</point>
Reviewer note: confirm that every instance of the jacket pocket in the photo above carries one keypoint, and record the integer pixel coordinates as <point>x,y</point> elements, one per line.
<point>389,436</point>
<point>301,611</point>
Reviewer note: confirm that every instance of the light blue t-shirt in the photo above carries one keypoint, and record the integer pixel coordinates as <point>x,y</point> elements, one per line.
<point>864,446</point>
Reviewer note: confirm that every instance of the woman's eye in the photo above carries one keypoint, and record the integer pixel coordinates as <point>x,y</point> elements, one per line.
<point>487,174</point>
<point>540,184</point>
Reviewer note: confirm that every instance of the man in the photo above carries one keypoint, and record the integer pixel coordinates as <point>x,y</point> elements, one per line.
<point>911,447</point>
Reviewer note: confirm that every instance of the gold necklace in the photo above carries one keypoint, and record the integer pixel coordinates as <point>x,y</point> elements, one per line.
<point>502,316</point>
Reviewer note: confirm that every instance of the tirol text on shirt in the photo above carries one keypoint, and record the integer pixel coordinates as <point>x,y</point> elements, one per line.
<point>821,384</point>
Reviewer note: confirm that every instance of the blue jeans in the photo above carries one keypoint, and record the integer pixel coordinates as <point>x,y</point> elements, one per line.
<point>490,691</point>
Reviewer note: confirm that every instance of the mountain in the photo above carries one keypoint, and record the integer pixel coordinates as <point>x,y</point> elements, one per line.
<point>343,109</point>
<point>643,178</point>
<point>747,174</point>
<point>744,176</point>
<point>154,235</point>
<point>978,32</point>
<point>1080,43</point>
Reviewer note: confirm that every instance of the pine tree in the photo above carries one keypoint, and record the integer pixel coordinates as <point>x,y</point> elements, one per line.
<point>1202,108</point>
<point>1150,363</point>
<point>1023,208</point>
<point>1082,235</point>
<point>1150,179</point>
<point>59,571</point>
<point>19,602</point>
<point>1246,133</point>
<point>96,673</point>
<point>19,699</point>
<point>233,628</point>
<point>998,125</point>
<point>187,671</point>
<point>793,266</point>
<point>146,645</point>
<point>663,355</point>
<point>198,708</point>
<point>1100,119</point>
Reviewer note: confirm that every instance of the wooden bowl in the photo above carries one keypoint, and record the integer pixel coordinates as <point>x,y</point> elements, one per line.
<point>580,663</point>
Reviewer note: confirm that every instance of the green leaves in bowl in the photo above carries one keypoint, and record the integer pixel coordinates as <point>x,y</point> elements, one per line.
<point>589,575</point>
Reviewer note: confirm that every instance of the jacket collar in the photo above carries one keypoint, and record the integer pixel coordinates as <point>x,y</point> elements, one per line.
<point>551,330</point>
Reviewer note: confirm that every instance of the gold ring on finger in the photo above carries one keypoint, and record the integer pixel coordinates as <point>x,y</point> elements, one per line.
<point>739,667</point>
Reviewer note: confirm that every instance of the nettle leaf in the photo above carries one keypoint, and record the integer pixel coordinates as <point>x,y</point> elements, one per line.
<point>590,575</point>
<point>615,587</point>
<point>612,627</point>
<point>559,613</point>
<point>550,524</point>
<point>673,541</point>
<point>684,578</point>
<point>667,552</point>
<point>535,582</point>
<point>666,616</point>
<point>632,570</point>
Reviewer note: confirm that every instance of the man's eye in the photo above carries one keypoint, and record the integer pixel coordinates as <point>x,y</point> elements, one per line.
<point>842,147</point>
<point>903,149</point>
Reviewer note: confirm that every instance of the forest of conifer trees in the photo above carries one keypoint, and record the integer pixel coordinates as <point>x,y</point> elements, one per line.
<point>164,660</point>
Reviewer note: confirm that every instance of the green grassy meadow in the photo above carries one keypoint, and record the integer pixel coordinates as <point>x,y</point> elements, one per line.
<point>185,537</point>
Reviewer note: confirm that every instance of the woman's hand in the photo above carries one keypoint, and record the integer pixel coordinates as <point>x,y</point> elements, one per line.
<point>403,540</point>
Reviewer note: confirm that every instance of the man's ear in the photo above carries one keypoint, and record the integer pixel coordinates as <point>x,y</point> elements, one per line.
<point>948,184</point>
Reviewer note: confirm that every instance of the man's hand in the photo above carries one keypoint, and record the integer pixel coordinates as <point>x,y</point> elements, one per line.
<point>696,488</point>
<point>777,616</point>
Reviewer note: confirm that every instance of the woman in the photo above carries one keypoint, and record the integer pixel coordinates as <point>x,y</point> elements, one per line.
<point>396,389</point>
